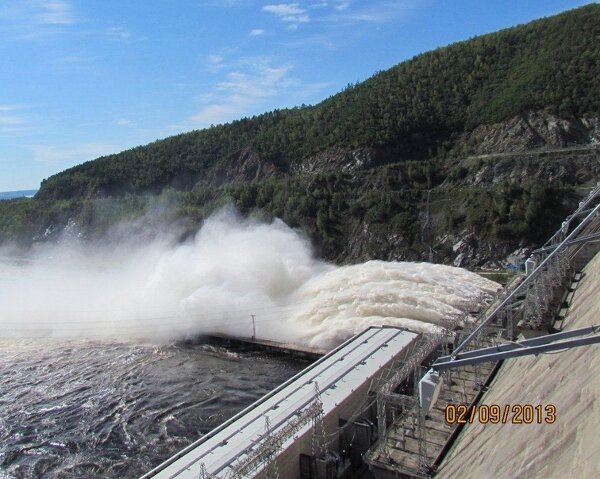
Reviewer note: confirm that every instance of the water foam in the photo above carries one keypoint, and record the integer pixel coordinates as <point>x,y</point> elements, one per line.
<point>233,268</point>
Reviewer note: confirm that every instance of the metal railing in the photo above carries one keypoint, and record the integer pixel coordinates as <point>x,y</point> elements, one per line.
<point>581,209</point>
<point>545,272</point>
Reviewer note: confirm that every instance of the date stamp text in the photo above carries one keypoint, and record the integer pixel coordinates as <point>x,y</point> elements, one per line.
<point>500,414</point>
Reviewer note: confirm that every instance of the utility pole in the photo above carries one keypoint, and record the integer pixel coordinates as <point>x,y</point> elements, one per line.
<point>253,326</point>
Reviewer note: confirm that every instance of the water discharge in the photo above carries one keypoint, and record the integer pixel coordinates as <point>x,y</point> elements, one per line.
<point>92,383</point>
<point>232,268</point>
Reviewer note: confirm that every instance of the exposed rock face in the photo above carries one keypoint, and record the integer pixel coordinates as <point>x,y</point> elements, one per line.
<point>538,135</point>
<point>470,250</point>
<point>534,147</point>
<point>593,126</point>
<point>247,166</point>
<point>533,130</point>
<point>463,248</point>
<point>569,167</point>
<point>338,159</point>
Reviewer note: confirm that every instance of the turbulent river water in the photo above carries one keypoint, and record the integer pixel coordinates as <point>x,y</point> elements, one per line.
<point>116,409</point>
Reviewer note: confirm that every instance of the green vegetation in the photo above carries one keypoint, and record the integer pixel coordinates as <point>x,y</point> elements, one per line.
<point>373,214</point>
<point>529,211</point>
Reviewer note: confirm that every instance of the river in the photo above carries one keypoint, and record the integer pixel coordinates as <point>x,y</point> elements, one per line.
<point>117,409</point>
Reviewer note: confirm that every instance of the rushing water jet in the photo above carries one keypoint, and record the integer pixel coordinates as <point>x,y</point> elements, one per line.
<point>233,267</point>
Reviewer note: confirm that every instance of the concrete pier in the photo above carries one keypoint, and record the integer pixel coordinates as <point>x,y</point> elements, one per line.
<point>317,421</point>
<point>272,347</point>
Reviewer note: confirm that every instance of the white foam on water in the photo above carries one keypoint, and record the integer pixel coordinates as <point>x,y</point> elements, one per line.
<point>232,268</point>
<point>417,296</point>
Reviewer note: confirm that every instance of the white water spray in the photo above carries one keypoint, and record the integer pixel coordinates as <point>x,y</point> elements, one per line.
<point>231,269</point>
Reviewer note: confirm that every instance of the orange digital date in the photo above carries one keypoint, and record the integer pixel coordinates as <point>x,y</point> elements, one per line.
<point>497,414</point>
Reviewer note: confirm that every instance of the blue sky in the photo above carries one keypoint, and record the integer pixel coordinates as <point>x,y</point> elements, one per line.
<point>82,78</point>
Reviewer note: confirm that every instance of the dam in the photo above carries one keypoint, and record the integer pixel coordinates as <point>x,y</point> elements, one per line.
<point>357,412</point>
<point>569,382</point>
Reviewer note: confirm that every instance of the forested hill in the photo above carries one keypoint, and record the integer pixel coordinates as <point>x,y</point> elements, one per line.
<point>462,155</point>
<point>417,110</point>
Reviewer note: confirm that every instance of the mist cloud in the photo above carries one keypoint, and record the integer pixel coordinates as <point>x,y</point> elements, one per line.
<point>233,267</point>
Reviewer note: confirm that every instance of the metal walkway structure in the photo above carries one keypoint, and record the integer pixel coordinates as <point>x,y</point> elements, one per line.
<point>414,440</point>
<point>514,349</point>
<point>566,382</point>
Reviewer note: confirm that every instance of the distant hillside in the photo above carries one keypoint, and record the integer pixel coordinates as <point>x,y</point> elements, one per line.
<point>9,195</point>
<point>414,111</point>
<point>389,168</point>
